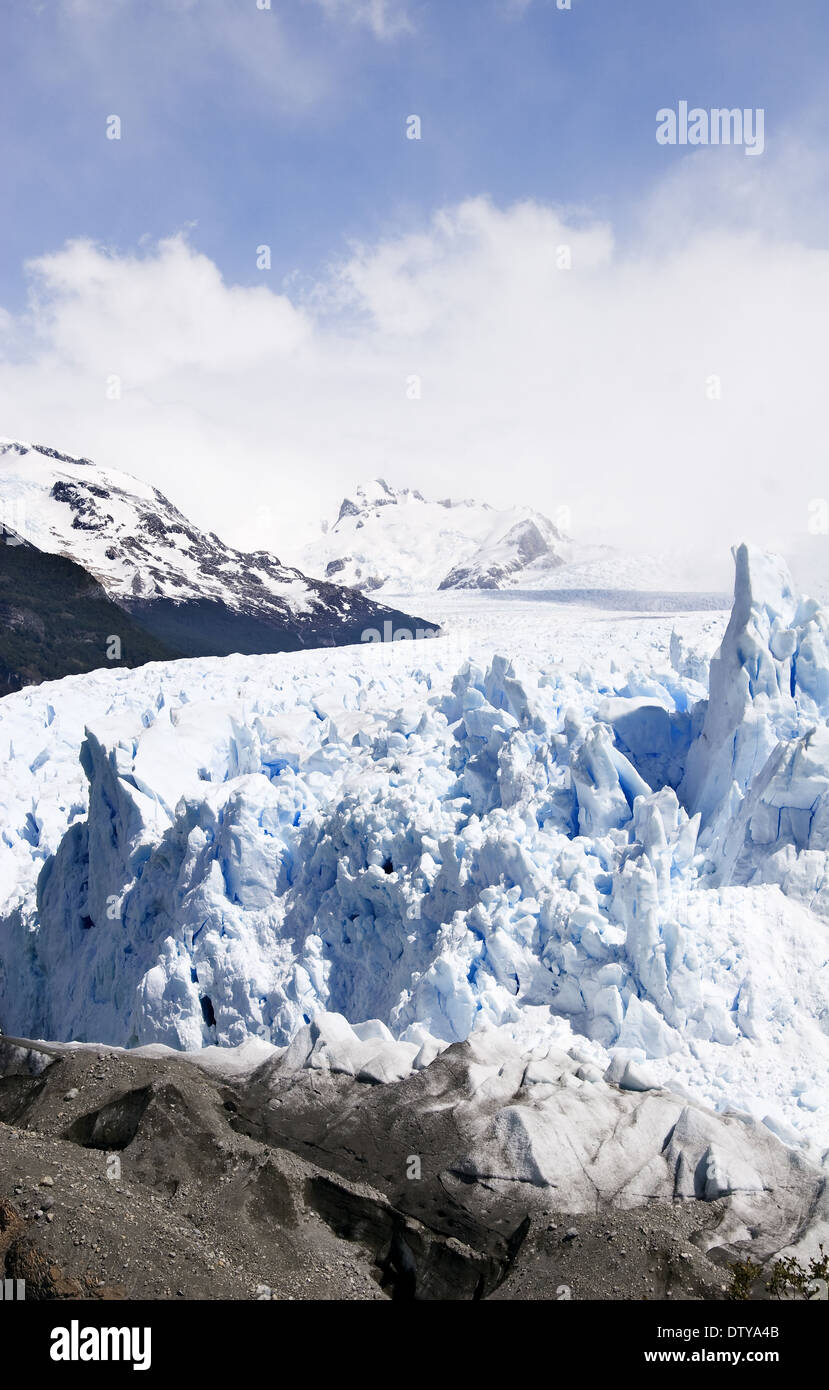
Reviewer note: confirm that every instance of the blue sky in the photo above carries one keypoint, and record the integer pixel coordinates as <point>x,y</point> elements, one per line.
<point>292,131</point>
<point>256,400</point>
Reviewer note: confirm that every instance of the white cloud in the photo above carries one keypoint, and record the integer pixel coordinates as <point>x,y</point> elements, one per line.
<point>151,317</point>
<point>385,18</point>
<point>142,52</point>
<point>584,387</point>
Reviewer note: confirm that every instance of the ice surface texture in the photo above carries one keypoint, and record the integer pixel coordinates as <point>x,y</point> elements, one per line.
<point>432,851</point>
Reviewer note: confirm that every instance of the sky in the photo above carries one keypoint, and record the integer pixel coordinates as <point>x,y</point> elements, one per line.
<point>536,302</point>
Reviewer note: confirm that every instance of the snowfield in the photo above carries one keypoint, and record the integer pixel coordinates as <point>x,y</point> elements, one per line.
<point>537,823</point>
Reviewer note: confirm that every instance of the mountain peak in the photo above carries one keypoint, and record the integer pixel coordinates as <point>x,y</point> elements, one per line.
<point>193,592</point>
<point>398,541</point>
<point>375,493</point>
<point>22,448</point>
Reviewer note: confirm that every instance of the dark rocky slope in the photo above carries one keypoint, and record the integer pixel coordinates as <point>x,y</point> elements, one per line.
<point>123,1175</point>
<point>56,620</point>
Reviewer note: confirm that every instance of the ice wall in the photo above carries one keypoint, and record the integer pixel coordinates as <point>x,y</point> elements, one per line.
<point>523,843</point>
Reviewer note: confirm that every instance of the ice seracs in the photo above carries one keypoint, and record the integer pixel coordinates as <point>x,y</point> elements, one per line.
<point>513,844</point>
<point>757,772</point>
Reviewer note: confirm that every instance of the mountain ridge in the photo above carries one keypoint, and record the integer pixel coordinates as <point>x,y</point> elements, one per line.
<point>396,540</point>
<point>393,541</point>
<point>188,593</point>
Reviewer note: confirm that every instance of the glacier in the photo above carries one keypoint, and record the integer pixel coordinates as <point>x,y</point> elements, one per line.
<point>408,851</point>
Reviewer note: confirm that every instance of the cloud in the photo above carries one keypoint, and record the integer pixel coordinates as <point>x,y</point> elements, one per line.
<point>670,397</point>
<point>386,18</point>
<point>151,317</point>
<point>156,56</point>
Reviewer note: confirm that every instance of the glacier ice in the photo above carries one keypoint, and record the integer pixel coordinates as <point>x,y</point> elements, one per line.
<point>217,851</point>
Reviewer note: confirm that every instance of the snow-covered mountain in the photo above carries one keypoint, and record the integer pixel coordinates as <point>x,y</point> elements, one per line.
<point>129,536</point>
<point>392,541</point>
<point>185,587</point>
<point>395,541</point>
